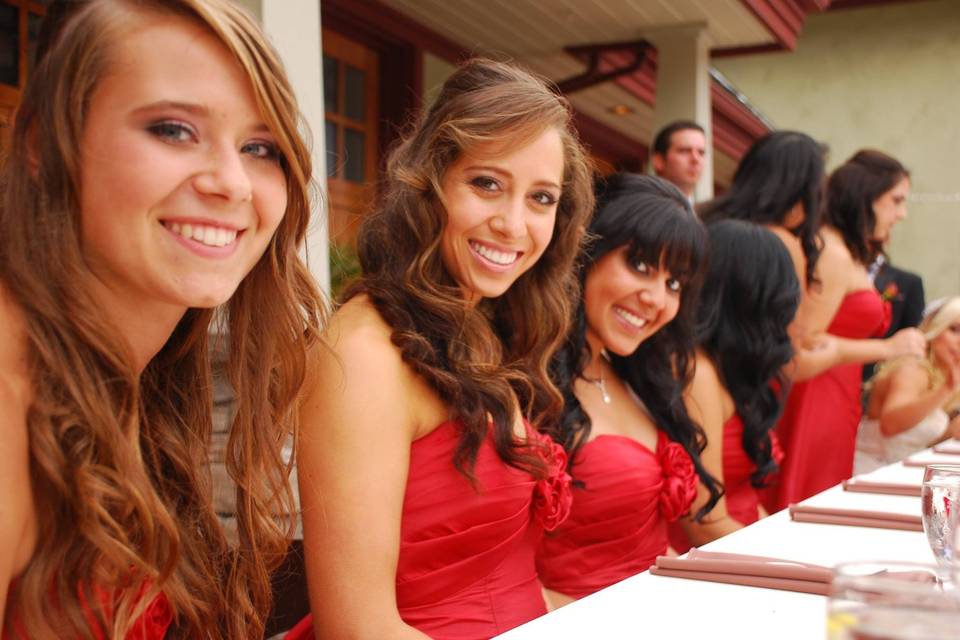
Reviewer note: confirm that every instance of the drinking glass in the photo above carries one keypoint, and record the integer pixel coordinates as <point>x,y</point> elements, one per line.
<point>940,499</point>
<point>891,601</point>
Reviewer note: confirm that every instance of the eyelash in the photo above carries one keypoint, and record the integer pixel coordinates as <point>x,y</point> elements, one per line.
<point>673,284</point>
<point>172,131</point>
<point>181,133</point>
<point>492,185</point>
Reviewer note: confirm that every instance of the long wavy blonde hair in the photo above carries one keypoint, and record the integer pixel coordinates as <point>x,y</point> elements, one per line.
<point>118,461</point>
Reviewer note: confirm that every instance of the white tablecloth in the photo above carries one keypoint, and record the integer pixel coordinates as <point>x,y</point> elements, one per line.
<point>647,606</point>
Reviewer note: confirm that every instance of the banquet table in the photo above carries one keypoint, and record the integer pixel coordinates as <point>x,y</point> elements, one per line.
<point>649,606</point>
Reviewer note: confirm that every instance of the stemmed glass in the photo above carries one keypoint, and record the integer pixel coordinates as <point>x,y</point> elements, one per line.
<point>940,501</point>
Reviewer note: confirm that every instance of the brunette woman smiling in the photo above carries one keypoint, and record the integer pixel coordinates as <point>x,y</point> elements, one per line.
<point>424,487</point>
<point>156,175</point>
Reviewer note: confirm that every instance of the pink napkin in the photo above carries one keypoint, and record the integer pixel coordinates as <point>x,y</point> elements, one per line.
<point>746,570</point>
<point>951,447</point>
<point>856,517</point>
<point>874,486</point>
<point>921,461</point>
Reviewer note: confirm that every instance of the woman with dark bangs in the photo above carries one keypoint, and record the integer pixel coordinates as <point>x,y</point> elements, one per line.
<point>633,448</point>
<point>749,297</point>
<point>424,487</point>
<point>156,189</point>
<point>866,197</point>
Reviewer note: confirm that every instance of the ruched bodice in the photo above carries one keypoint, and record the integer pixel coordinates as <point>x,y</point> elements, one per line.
<point>618,524</point>
<point>466,563</point>
<point>818,430</point>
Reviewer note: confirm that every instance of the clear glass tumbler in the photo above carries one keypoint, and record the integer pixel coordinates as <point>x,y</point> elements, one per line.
<point>892,601</point>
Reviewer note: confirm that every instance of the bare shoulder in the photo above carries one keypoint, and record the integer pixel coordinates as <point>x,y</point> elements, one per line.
<point>910,373</point>
<point>835,257</point>
<point>359,340</point>
<point>794,248</point>
<point>706,394</point>
<point>360,370</point>
<point>705,373</point>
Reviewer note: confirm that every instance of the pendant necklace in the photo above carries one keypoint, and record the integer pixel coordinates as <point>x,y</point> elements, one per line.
<point>600,383</point>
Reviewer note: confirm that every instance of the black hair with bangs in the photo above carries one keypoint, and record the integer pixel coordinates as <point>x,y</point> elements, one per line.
<point>654,220</point>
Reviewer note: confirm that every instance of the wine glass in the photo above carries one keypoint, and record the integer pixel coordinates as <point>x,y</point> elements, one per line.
<point>940,500</point>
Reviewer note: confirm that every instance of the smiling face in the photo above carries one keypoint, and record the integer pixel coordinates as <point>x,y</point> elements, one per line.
<point>501,209</point>
<point>946,346</point>
<point>625,303</point>
<point>181,186</point>
<point>890,208</point>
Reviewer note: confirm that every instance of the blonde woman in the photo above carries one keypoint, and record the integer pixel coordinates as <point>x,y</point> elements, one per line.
<point>156,183</point>
<point>910,397</point>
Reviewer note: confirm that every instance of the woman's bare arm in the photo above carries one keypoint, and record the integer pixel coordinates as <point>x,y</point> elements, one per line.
<point>909,398</point>
<point>358,422</point>
<point>705,404</point>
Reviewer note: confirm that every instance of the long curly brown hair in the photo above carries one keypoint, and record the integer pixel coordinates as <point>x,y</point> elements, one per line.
<point>481,360</point>
<point>118,461</point>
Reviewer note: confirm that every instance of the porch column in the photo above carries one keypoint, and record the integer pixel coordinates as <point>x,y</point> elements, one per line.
<point>293,27</point>
<point>683,86</point>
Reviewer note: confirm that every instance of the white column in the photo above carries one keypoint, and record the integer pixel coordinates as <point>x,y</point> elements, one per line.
<point>293,27</point>
<point>683,86</point>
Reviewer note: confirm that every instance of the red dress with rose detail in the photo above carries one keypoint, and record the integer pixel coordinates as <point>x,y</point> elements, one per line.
<point>466,563</point>
<point>742,498</point>
<point>818,430</point>
<point>618,524</point>
<point>151,625</point>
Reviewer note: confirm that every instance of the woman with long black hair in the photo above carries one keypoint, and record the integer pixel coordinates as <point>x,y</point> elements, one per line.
<point>633,448</point>
<point>749,298</point>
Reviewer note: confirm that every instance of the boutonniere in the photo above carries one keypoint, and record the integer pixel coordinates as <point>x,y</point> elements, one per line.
<point>891,292</point>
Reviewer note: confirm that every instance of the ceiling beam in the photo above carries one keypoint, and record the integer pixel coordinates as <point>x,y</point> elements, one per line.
<point>595,73</point>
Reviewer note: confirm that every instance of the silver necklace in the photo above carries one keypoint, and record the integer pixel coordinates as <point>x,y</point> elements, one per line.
<point>600,383</point>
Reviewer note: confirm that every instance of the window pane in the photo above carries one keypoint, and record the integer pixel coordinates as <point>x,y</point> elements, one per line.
<point>331,140</point>
<point>331,84</point>
<point>9,45</point>
<point>354,89</point>
<point>33,33</point>
<point>354,150</point>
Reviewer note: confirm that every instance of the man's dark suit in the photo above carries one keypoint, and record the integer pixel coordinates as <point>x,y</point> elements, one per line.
<point>904,290</point>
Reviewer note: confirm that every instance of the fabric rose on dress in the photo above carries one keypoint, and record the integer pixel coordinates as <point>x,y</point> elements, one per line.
<point>776,451</point>
<point>552,496</point>
<point>679,481</point>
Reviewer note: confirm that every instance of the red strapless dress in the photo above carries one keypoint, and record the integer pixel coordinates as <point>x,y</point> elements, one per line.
<point>466,565</point>
<point>818,429</point>
<point>743,501</point>
<point>618,524</point>
<point>151,625</point>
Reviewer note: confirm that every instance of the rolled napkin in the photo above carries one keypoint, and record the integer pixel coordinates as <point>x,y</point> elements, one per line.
<point>856,517</point>
<point>746,570</point>
<point>867,485</point>
<point>950,447</point>
<point>925,458</point>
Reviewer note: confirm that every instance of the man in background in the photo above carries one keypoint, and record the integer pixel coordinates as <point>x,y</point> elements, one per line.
<point>904,291</point>
<point>679,153</point>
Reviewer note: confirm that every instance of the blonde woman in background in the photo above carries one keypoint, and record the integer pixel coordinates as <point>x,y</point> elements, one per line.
<point>910,398</point>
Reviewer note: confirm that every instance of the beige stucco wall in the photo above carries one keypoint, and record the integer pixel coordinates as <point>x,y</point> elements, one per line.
<point>886,77</point>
